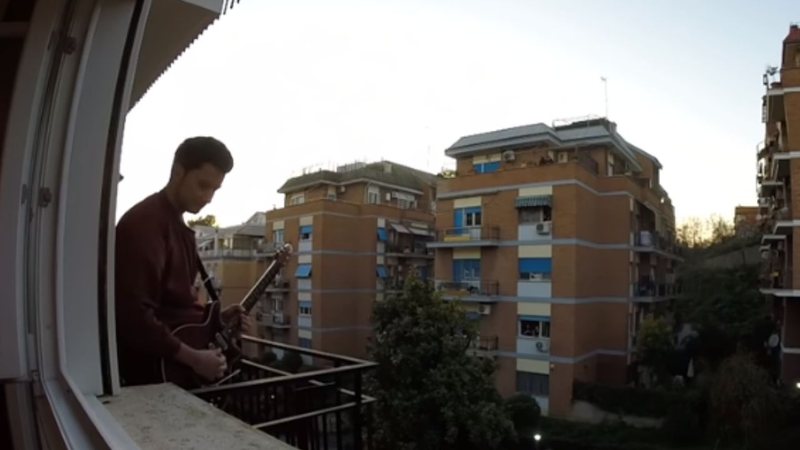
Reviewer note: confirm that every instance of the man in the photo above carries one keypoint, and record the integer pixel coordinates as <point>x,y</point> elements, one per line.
<point>157,265</point>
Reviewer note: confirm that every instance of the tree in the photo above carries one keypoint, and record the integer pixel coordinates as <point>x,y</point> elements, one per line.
<point>743,403</point>
<point>430,393</point>
<point>695,233</point>
<point>654,347</point>
<point>524,413</point>
<point>209,220</point>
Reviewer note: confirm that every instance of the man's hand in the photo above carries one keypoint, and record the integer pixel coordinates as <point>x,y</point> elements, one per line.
<point>234,315</point>
<point>209,364</point>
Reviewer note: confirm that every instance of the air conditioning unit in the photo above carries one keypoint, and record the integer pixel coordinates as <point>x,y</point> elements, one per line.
<point>485,310</point>
<point>543,228</point>
<point>509,155</point>
<point>543,346</point>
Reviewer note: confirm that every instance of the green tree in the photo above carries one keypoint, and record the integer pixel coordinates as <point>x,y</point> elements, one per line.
<point>655,348</point>
<point>524,413</point>
<point>744,406</point>
<point>209,220</point>
<point>431,394</point>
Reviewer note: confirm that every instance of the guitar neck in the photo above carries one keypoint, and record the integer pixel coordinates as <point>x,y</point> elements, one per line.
<point>261,285</point>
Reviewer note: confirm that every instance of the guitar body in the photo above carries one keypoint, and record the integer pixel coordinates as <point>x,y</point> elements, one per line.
<point>199,336</point>
<point>213,333</point>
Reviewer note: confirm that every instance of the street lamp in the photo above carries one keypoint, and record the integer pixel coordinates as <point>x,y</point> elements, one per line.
<point>537,437</point>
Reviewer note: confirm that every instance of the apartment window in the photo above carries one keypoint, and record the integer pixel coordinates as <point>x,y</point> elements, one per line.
<point>277,236</point>
<point>305,308</point>
<point>533,327</point>
<point>486,167</point>
<point>610,165</point>
<point>533,383</point>
<point>468,217</point>
<point>277,304</point>
<point>535,268</point>
<point>382,235</point>
<point>373,195</point>
<point>303,271</point>
<point>381,271</point>
<point>535,214</point>
<point>466,269</point>
<point>304,342</point>
<point>331,192</point>
<point>306,232</point>
<point>297,199</point>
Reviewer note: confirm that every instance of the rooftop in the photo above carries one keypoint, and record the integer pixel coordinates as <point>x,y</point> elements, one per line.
<point>578,133</point>
<point>383,171</point>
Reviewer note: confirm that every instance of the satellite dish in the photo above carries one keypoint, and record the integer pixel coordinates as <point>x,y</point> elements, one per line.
<point>773,340</point>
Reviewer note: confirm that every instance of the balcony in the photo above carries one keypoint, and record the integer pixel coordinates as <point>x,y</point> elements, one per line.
<point>277,320</point>
<point>484,346</point>
<point>406,251</point>
<point>235,253</point>
<point>650,241</point>
<point>324,408</point>
<point>650,291</point>
<point>279,286</point>
<point>466,237</point>
<point>468,289</point>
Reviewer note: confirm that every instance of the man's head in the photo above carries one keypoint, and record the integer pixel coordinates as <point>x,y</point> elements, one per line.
<point>198,170</point>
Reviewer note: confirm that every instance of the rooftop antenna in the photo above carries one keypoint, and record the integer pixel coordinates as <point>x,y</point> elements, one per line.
<point>605,91</point>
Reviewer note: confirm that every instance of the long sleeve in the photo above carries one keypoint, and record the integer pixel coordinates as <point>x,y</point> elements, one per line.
<point>141,261</point>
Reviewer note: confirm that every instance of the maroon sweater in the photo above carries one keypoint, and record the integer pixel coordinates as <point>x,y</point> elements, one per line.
<point>156,267</point>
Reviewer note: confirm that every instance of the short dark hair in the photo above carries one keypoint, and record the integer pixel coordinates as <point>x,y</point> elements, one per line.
<point>196,151</point>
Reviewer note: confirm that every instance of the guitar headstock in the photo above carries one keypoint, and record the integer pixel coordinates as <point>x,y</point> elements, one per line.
<point>282,255</point>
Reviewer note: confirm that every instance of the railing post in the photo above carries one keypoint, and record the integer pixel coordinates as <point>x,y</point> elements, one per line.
<point>357,443</point>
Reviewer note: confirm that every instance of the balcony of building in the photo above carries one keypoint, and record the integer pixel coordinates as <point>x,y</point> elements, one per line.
<point>468,290</point>
<point>474,236</point>
<point>484,346</point>
<point>649,290</point>
<point>275,319</point>
<point>652,241</point>
<point>417,250</point>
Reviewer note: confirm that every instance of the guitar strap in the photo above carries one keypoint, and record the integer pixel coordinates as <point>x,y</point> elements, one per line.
<point>212,292</point>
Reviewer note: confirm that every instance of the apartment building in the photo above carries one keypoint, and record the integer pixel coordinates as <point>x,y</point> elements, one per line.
<point>778,177</point>
<point>357,231</point>
<point>559,241</point>
<point>235,257</point>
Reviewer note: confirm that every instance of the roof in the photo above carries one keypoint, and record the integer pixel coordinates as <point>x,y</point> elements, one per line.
<point>794,34</point>
<point>398,175</point>
<point>581,133</point>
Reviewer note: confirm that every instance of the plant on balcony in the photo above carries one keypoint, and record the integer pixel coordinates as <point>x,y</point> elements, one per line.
<point>431,394</point>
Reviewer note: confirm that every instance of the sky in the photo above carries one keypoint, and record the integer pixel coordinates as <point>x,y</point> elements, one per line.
<point>305,84</point>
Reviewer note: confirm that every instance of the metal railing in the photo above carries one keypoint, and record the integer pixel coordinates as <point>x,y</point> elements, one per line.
<point>230,252</point>
<point>653,289</point>
<point>485,343</point>
<point>468,287</point>
<point>417,250</point>
<point>460,234</point>
<point>319,409</point>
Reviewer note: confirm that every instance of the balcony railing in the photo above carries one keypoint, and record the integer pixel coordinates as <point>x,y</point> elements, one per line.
<point>653,240</point>
<point>416,251</point>
<point>466,234</point>
<point>230,253</point>
<point>652,289</point>
<point>485,343</point>
<point>468,287</point>
<point>275,320</point>
<point>321,409</point>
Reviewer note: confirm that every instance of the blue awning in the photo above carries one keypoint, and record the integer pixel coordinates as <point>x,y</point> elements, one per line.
<point>382,235</point>
<point>306,229</point>
<point>534,200</point>
<point>536,265</point>
<point>536,318</point>
<point>303,271</point>
<point>382,273</point>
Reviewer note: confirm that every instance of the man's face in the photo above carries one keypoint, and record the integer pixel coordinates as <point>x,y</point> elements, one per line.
<point>196,187</point>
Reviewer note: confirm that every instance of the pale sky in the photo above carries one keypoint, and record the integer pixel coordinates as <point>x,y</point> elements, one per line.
<point>288,85</point>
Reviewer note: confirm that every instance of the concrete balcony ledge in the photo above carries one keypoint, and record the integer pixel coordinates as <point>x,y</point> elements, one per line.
<point>165,417</point>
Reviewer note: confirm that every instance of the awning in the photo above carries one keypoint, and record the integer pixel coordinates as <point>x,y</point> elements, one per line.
<point>534,200</point>
<point>381,271</point>
<point>536,265</point>
<point>382,235</point>
<point>420,231</point>
<point>306,229</point>
<point>400,228</point>
<point>303,271</point>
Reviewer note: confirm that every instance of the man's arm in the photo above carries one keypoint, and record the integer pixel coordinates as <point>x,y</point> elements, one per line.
<point>140,264</point>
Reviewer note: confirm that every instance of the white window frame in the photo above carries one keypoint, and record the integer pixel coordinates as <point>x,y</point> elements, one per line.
<point>297,199</point>
<point>278,236</point>
<point>373,195</point>
<point>473,219</point>
<point>542,324</point>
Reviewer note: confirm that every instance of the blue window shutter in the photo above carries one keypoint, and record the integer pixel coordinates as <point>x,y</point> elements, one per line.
<point>382,235</point>
<point>458,269</point>
<point>381,271</point>
<point>303,271</point>
<point>458,218</point>
<point>536,265</point>
<point>491,167</point>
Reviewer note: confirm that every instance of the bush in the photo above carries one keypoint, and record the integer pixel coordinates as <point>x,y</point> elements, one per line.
<point>625,400</point>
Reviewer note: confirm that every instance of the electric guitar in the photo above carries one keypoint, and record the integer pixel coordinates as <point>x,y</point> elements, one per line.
<point>213,332</point>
